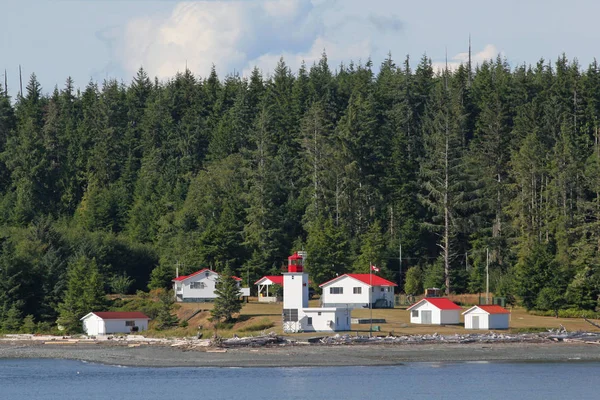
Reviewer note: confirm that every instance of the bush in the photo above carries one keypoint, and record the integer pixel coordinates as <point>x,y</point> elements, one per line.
<point>28,325</point>
<point>258,326</point>
<point>224,325</point>
<point>568,313</point>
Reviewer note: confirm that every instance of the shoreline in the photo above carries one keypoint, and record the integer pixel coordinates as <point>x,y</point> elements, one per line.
<point>304,355</point>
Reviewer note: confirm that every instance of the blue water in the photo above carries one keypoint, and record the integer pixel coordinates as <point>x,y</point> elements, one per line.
<point>63,379</point>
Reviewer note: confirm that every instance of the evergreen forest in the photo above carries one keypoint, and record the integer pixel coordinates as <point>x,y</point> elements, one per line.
<point>112,187</point>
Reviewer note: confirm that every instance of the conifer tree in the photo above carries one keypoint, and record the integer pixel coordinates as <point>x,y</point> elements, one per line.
<point>84,293</point>
<point>441,172</point>
<point>227,302</point>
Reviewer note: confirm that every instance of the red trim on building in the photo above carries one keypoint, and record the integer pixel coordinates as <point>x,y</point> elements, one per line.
<point>120,315</point>
<point>494,309</point>
<point>439,302</point>
<point>369,279</point>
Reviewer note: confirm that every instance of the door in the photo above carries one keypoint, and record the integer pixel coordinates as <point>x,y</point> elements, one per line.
<point>426,316</point>
<point>475,320</point>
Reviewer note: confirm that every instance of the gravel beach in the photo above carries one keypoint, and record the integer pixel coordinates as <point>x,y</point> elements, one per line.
<point>303,355</point>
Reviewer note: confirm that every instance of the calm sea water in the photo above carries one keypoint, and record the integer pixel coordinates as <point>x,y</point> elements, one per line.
<point>63,379</point>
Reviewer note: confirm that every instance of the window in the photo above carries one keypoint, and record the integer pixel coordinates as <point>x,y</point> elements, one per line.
<point>357,290</point>
<point>415,313</point>
<point>319,313</point>
<point>129,323</point>
<point>383,289</point>
<point>336,290</point>
<point>290,314</point>
<point>197,285</point>
<point>309,321</point>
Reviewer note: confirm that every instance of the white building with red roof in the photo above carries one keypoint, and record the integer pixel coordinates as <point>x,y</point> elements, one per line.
<point>198,287</point>
<point>357,291</point>
<point>487,317</point>
<point>266,292</point>
<point>435,311</point>
<point>109,322</point>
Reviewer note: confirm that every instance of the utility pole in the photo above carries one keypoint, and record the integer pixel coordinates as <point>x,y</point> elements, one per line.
<point>487,275</point>
<point>400,260</point>
<point>370,298</point>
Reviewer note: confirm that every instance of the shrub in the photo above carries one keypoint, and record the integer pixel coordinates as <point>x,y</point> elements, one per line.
<point>258,326</point>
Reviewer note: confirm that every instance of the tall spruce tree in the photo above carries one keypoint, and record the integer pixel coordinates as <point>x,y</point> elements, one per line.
<point>442,179</point>
<point>227,302</point>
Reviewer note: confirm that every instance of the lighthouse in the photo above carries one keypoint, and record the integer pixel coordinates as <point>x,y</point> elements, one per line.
<point>295,293</point>
<point>297,316</point>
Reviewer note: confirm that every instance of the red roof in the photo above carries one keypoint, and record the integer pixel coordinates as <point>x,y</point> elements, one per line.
<point>440,302</point>
<point>184,277</point>
<point>276,279</point>
<point>493,309</point>
<point>369,279</point>
<point>121,315</point>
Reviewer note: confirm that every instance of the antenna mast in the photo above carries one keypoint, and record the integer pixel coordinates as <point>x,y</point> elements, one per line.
<point>20,81</point>
<point>469,65</point>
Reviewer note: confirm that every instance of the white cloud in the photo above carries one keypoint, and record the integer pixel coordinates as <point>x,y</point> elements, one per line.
<point>238,35</point>
<point>489,52</point>
<point>224,33</point>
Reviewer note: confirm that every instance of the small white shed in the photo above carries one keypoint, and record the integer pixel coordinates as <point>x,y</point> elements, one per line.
<point>486,317</point>
<point>435,311</point>
<point>107,322</point>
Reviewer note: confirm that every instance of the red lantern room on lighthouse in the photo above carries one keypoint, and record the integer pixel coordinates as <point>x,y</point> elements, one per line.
<point>295,263</point>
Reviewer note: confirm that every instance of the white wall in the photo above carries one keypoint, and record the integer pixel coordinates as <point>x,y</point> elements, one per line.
<point>183,289</point>
<point>438,317</point>
<point>483,319</point>
<point>340,319</point>
<point>118,325</point>
<point>450,317</point>
<point>487,321</point>
<point>295,290</point>
<point>208,292</point>
<point>94,325</point>
<point>499,321</point>
<point>348,298</point>
<point>425,306</point>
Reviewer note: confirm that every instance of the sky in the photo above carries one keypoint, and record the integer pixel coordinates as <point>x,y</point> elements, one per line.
<point>100,39</point>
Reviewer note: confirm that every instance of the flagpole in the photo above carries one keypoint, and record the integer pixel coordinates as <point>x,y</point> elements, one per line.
<point>370,298</point>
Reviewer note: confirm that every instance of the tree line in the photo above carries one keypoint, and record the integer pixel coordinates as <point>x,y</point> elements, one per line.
<point>110,187</point>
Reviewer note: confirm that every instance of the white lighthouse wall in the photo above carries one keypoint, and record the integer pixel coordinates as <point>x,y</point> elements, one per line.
<point>295,290</point>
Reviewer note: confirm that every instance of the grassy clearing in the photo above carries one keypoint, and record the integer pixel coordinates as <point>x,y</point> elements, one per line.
<point>256,318</point>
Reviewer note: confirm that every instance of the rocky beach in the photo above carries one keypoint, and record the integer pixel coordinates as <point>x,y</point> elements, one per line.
<point>338,351</point>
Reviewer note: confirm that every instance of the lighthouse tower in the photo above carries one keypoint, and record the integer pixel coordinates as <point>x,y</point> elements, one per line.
<point>295,293</point>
